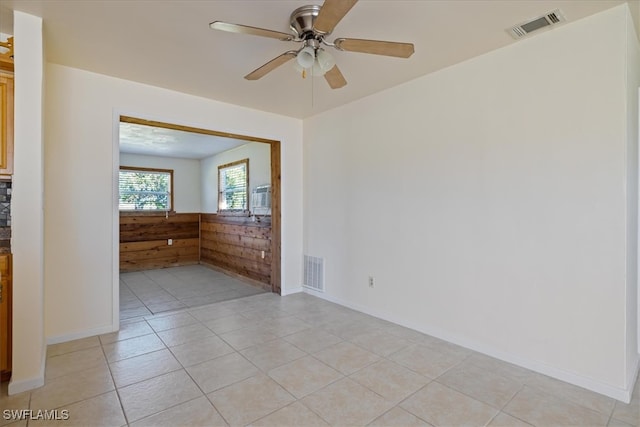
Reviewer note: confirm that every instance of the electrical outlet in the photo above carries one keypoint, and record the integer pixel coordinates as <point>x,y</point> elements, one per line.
<point>170,242</point>
<point>371,282</point>
<point>262,254</point>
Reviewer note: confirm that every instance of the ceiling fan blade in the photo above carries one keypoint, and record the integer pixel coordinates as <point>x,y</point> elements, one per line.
<point>271,65</point>
<point>245,29</point>
<point>331,13</point>
<point>335,78</point>
<point>376,47</point>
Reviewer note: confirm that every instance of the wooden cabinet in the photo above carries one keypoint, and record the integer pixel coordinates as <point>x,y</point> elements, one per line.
<point>5,315</point>
<point>6,122</point>
<point>6,170</point>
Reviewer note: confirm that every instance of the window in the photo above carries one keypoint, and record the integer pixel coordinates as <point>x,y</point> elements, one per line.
<point>143,189</point>
<point>233,186</point>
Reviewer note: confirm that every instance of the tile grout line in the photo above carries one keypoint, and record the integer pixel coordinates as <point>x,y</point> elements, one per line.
<point>30,397</point>
<point>469,396</point>
<point>245,310</point>
<point>300,400</point>
<point>413,394</point>
<point>502,410</point>
<point>205,395</point>
<point>564,398</point>
<point>219,278</point>
<point>266,373</point>
<point>397,406</point>
<point>311,409</point>
<point>155,376</point>
<point>115,387</point>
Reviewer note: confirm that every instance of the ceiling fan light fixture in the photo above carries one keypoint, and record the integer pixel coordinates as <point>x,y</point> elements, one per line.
<point>314,60</point>
<point>325,60</point>
<point>299,69</point>
<point>317,70</point>
<point>306,57</point>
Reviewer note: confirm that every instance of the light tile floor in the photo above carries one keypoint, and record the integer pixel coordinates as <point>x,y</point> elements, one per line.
<point>266,360</point>
<point>154,291</point>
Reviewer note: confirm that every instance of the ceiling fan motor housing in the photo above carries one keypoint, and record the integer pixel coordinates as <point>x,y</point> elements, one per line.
<point>302,20</point>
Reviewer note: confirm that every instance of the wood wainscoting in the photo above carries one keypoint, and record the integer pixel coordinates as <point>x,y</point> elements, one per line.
<point>237,245</point>
<point>144,240</point>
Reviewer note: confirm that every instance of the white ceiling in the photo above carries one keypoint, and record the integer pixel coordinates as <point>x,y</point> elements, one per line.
<point>169,44</point>
<point>155,141</point>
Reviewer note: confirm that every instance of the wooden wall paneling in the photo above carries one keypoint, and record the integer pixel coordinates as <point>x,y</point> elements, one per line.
<point>237,245</point>
<point>177,226</point>
<point>157,232</point>
<point>144,241</point>
<point>230,266</point>
<point>173,218</point>
<point>241,252</point>
<point>253,269</point>
<point>159,249</point>
<point>257,232</point>
<point>276,238</point>
<point>214,237</point>
<point>156,263</point>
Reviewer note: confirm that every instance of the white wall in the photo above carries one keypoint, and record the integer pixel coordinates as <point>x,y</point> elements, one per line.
<point>81,131</point>
<point>488,200</point>
<point>259,155</point>
<point>186,178</point>
<point>632,86</point>
<point>26,205</point>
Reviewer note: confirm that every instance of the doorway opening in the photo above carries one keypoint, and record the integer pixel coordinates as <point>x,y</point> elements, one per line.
<point>175,248</point>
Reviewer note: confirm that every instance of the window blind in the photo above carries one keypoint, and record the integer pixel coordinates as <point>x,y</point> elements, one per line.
<point>145,190</point>
<point>233,187</point>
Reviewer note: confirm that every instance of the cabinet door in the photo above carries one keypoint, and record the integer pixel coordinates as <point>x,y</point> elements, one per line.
<point>5,313</point>
<point>6,121</point>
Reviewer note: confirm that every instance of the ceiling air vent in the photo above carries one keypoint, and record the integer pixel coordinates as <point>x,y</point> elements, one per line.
<point>548,20</point>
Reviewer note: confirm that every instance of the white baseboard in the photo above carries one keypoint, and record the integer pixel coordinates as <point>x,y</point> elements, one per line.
<point>19,386</point>
<point>633,376</point>
<point>621,394</point>
<point>82,334</point>
<point>286,292</point>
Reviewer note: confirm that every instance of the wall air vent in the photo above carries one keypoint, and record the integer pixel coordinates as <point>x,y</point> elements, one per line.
<point>314,273</point>
<point>545,21</point>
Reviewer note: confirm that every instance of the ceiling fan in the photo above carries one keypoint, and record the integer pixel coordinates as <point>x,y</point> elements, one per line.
<point>310,26</point>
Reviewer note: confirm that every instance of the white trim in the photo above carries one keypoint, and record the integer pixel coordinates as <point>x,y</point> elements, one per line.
<point>27,206</point>
<point>623,395</point>
<point>115,260</point>
<point>106,329</point>
<point>291,291</point>
<point>633,377</point>
<point>16,387</point>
